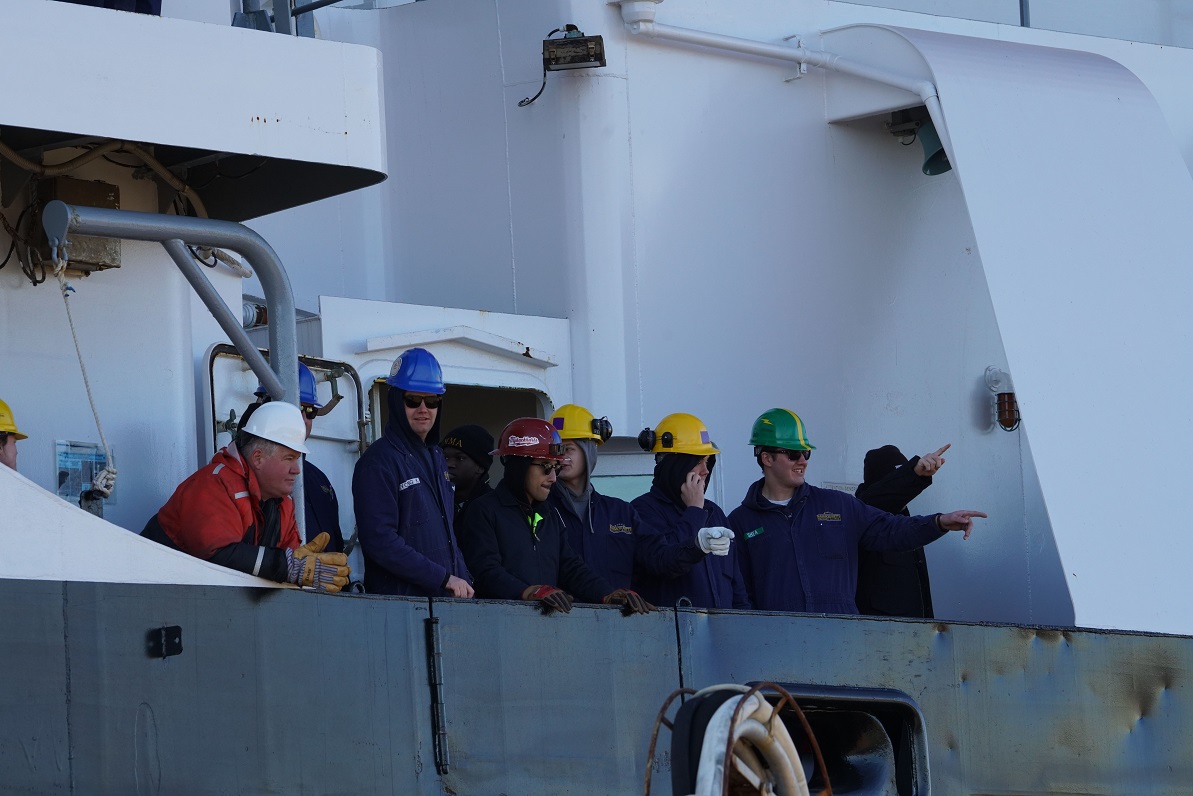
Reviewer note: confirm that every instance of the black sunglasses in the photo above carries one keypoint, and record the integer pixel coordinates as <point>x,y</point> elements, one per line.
<point>549,467</point>
<point>794,456</point>
<point>415,401</point>
<point>310,411</point>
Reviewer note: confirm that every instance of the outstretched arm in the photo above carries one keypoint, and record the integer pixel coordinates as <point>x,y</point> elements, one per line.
<point>958,521</point>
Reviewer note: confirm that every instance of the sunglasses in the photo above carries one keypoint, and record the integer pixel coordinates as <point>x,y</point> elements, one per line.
<point>550,467</point>
<point>310,411</point>
<point>415,401</point>
<point>794,456</point>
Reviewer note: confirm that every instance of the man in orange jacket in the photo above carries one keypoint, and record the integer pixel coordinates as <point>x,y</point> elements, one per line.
<point>237,511</point>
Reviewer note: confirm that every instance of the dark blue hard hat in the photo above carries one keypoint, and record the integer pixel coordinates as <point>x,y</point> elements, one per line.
<point>417,370</point>
<point>306,387</point>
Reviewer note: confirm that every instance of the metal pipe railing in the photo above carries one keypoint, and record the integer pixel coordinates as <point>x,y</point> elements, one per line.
<point>639,18</point>
<point>280,374</point>
<point>309,7</point>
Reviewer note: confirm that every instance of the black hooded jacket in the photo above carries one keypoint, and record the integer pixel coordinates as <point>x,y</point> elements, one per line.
<point>714,582</point>
<point>891,583</point>
<point>511,544</point>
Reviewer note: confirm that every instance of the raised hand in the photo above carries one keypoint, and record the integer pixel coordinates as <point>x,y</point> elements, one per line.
<point>929,463</point>
<point>692,491</point>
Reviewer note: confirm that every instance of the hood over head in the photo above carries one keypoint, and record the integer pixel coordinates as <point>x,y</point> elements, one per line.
<point>398,421</point>
<point>671,470</point>
<point>514,476</point>
<point>881,462</point>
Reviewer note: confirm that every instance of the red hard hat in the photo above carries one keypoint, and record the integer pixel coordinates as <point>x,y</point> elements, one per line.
<point>530,437</point>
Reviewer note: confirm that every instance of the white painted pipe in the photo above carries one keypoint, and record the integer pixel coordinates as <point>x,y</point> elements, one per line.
<point>634,13</point>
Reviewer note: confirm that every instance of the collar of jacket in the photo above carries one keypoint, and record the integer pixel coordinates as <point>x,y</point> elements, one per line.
<point>230,457</point>
<point>660,496</point>
<point>396,438</point>
<point>754,499</point>
<point>507,498</point>
<point>481,487</point>
<point>563,500</point>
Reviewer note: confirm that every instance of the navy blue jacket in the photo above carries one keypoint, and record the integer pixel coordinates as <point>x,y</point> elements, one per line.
<point>323,508</point>
<point>506,557</point>
<point>891,583</point>
<point>715,582</point>
<point>404,518</point>
<point>613,539</point>
<point>803,556</point>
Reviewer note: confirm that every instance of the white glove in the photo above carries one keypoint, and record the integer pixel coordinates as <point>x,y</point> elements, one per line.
<point>104,481</point>
<point>715,541</point>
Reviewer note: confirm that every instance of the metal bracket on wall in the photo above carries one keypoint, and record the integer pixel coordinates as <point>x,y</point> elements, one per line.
<point>438,711</point>
<point>164,642</point>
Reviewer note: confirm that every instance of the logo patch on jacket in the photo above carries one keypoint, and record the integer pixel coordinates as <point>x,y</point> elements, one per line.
<point>755,532</point>
<point>829,516</point>
<point>407,484</point>
<point>619,528</point>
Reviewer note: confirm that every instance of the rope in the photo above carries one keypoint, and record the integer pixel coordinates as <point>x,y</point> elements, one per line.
<point>106,478</point>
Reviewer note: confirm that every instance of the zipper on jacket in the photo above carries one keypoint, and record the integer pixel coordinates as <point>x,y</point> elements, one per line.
<point>433,486</point>
<point>534,520</point>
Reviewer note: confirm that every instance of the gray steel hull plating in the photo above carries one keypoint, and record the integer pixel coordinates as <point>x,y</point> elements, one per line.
<point>287,691</point>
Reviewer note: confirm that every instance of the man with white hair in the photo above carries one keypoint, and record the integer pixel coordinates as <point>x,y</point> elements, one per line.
<point>237,511</point>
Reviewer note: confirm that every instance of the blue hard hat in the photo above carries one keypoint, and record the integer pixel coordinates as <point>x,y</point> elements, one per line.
<point>306,387</point>
<point>417,370</point>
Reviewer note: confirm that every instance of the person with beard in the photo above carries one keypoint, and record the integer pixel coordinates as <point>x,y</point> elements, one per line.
<point>402,495</point>
<point>516,543</point>
<point>607,532</point>
<point>799,543</point>
<point>469,454</point>
<point>895,583</point>
<point>677,507</point>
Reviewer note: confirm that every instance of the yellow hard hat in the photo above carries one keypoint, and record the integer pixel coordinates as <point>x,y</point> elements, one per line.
<point>573,421</point>
<point>678,433</point>
<point>7,424</point>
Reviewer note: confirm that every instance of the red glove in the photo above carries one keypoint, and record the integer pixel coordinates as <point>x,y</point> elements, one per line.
<point>549,598</point>
<point>630,601</point>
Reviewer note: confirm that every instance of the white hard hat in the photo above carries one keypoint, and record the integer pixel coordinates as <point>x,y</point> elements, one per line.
<point>278,422</point>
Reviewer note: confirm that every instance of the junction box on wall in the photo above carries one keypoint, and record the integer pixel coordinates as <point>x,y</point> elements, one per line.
<point>86,254</point>
<point>573,51</point>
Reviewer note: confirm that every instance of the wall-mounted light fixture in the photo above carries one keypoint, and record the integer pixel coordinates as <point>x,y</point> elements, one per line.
<point>1006,408</point>
<point>573,51</point>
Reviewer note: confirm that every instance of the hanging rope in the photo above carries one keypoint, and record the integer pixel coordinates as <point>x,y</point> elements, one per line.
<point>105,480</point>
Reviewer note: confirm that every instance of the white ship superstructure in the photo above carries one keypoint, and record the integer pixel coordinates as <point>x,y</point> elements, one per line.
<point>719,220</point>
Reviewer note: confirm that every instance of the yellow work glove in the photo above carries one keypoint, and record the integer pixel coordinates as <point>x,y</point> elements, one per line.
<point>310,566</point>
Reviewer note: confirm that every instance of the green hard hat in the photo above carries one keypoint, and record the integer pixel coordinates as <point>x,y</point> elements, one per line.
<point>780,428</point>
